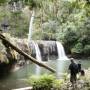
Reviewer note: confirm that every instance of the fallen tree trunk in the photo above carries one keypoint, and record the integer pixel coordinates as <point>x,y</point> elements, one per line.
<point>25,54</point>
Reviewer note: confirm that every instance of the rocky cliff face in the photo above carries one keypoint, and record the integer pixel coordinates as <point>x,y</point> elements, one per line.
<point>7,58</point>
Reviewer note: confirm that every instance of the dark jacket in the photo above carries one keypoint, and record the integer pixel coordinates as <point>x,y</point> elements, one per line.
<point>73,67</point>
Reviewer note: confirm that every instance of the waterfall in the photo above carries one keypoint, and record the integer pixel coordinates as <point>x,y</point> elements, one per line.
<point>31,26</point>
<point>38,53</point>
<point>38,57</point>
<point>15,7</point>
<point>61,52</point>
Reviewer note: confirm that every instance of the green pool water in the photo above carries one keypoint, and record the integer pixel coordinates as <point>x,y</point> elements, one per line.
<point>16,79</point>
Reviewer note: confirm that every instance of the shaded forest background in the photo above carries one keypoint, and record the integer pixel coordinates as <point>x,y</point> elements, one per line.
<point>67,21</point>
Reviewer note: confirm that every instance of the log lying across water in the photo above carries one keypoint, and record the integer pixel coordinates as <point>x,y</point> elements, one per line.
<point>2,37</point>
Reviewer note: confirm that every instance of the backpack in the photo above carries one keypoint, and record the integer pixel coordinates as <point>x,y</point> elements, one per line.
<point>76,68</point>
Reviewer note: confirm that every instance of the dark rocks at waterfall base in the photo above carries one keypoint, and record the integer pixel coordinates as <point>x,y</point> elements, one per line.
<point>5,68</point>
<point>48,49</point>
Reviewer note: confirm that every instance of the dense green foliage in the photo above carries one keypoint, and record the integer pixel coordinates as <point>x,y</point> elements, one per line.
<point>45,82</point>
<point>49,82</point>
<point>2,1</point>
<point>14,18</point>
<point>42,83</point>
<point>67,21</point>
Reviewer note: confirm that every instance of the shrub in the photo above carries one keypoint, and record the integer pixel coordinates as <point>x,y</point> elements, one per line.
<point>78,48</point>
<point>57,84</point>
<point>43,82</point>
<point>37,35</point>
<point>85,39</point>
<point>87,50</point>
<point>71,37</point>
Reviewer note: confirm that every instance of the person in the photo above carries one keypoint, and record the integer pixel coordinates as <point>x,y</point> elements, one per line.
<point>80,70</point>
<point>73,67</point>
<point>79,66</point>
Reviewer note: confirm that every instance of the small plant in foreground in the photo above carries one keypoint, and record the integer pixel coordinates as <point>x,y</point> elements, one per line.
<point>43,82</point>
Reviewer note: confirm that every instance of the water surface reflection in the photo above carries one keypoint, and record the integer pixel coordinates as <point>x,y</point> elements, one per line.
<point>16,79</point>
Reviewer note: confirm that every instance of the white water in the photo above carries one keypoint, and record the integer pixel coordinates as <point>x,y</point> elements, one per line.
<point>31,26</point>
<point>38,53</point>
<point>61,52</point>
<point>38,57</point>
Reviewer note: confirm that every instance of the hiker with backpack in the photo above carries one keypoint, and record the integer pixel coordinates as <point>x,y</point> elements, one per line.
<point>73,67</point>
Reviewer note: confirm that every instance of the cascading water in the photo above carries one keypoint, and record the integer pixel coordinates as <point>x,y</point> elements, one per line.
<point>38,53</point>
<point>61,52</point>
<point>61,56</point>
<point>38,57</point>
<point>31,26</point>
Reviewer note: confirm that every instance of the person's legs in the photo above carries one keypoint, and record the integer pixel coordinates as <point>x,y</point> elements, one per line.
<point>73,79</point>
